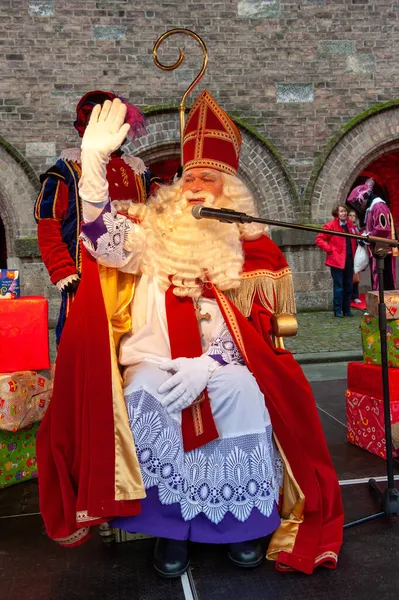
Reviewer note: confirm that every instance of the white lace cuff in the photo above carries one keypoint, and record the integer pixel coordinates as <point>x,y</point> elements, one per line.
<point>114,240</point>
<point>62,283</point>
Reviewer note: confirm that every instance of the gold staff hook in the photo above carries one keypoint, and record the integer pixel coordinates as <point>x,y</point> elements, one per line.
<point>175,66</point>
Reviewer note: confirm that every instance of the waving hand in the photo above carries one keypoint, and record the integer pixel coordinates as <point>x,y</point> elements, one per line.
<point>106,129</point>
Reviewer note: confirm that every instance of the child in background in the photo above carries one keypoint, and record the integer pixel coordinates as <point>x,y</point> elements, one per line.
<point>352,216</point>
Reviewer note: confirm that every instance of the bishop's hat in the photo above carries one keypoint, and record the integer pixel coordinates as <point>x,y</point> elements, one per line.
<point>210,139</point>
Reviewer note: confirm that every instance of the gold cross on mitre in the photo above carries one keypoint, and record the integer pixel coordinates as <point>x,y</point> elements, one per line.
<point>199,315</point>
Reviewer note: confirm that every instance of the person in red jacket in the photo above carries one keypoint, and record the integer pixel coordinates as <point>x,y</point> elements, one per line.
<point>340,253</point>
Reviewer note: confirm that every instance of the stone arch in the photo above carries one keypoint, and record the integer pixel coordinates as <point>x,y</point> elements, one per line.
<point>19,186</point>
<point>261,167</point>
<point>367,137</point>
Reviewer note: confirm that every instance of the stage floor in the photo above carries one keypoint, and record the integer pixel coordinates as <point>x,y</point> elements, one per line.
<point>34,568</point>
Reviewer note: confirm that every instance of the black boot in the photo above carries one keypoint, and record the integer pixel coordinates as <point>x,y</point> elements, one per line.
<point>246,554</point>
<point>171,557</point>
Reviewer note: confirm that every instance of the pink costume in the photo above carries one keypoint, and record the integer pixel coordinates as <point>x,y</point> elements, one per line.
<point>378,222</point>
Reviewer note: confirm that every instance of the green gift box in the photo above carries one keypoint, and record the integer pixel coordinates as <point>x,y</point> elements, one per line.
<point>18,455</point>
<point>371,341</point>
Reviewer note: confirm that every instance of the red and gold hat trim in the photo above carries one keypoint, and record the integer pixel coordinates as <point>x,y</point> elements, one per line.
<point>197,151</point>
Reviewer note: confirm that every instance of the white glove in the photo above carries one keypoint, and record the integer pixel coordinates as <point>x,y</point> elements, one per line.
<point>106,130</point>
<point>190,378</point>
<point>103,135</point>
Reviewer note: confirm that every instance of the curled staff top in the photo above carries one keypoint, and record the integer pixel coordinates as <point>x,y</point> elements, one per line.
<point>177,64</point>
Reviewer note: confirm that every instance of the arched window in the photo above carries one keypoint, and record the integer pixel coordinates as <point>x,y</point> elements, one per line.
<point>385,172</point>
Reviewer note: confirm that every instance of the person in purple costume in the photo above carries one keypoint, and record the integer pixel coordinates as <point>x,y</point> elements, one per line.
<point>378,221</point>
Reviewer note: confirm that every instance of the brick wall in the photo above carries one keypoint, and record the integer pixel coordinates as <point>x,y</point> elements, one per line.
<point>360,147</point>
<point>294,71</point>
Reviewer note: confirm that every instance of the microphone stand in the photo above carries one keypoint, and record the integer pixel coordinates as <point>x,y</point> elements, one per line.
<point>389,497</point>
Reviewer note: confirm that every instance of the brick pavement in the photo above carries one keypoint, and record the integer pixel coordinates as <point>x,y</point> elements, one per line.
<point>322,332</point>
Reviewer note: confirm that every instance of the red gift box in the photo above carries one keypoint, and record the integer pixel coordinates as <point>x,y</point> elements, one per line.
<point>24,334</point>
<point>367,379</point>
<point>365,423</point>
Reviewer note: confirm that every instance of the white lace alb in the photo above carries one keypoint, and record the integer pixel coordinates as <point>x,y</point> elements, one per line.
<point>228,475</point>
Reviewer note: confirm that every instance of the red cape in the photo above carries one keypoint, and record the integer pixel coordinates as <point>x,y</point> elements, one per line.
<point>297,427</point>
<point>75,446</point>
<point>295,420</point>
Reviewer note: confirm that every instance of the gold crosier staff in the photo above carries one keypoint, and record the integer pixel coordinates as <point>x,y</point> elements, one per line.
<point>175,66</point>
<point>283,325</point>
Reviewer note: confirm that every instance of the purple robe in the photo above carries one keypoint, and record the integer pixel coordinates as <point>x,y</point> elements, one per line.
<point>379,223</point>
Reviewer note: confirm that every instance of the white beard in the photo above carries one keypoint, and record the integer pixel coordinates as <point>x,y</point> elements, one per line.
<point>187,251</point>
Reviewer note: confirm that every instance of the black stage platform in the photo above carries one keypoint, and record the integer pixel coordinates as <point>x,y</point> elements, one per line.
<point>34,568</point>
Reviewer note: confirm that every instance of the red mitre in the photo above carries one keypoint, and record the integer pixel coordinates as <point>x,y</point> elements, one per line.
<point>211,139</point>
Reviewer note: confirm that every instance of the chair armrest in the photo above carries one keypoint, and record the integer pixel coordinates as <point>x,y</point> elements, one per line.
<point>283,325</point>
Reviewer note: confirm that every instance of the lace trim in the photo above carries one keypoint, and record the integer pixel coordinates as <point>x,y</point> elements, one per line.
<point>82,516</point>
<point>72,154</point>
<point>64,282</point>
<point>109,247</point>
<point>326,555</point>
<point>135,163</point>
<point>78,535</point>
<point>223,348</point>
<point>229,475</point>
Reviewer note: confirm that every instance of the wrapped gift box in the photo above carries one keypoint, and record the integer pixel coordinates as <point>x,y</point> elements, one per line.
<point>371,341</point>
<point>24,334</point>
<point>18,456</point>
<point>24,398</point>
<point>365,423</point>
<point>391,300</point>
<point>367,379</point>
<point>9,284</point>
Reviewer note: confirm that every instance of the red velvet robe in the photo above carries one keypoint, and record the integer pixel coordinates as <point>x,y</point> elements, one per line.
<point>75,445</point>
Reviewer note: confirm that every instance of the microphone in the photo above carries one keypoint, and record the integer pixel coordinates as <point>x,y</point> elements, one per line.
<point>221,214</point>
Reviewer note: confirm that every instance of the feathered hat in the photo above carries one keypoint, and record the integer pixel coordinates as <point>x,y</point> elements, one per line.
<point>134,116</point>
<point>356,197</point>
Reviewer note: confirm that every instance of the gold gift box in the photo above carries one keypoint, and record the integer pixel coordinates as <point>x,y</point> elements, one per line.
<point>24,398</point>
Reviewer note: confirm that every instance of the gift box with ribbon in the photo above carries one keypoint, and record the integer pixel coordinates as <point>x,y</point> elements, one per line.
<point>9,284</point>
<point>24,344</point>
<point>365,423</point>
<point>391,300</point>
<point>18,456</point>
<point>24,398</point>
<point>371,341</point>
<point>367,379</point>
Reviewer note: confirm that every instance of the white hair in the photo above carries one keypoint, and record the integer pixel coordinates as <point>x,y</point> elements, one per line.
<point>243,201</point>
<point>188,252</point>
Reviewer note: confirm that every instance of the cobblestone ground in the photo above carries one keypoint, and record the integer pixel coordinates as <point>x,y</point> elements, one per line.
<point>322,332</point>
